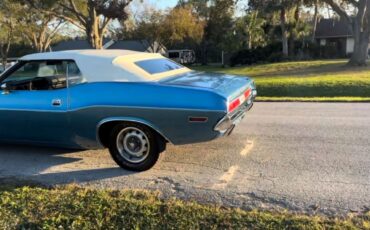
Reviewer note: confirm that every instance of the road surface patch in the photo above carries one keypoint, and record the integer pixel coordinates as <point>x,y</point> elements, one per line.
<point>226,178</point>
<point>247,148</point>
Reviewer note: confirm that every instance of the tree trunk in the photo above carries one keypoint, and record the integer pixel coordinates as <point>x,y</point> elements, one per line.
<point>284,33</point>
<point>251,24</point>
<point>360,28</point>
<point>4,54</point>
<point>315,20</point>
<point>360,51</point>
<point>4,62</point>
<point>94,38</point>
<point>93,31</point>
<point>39,45</point>
<point>250,45</point>
<point>5,47</point>
<point>293,34</point>
<point>361,34</point>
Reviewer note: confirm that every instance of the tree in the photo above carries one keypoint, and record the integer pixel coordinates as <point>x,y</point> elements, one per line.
<point>219,29</point>
<point>7,28</point>
<point>300,26</point>
<point>126,28</point>
<point>6,36</point>
<point>201,7</point>
<point>38,28</point>
<point>42,33</point>
<point>179,25</point>
<point>282,8</point>
<point>247,31</point>
<point>92,16</point>
<point>359,22</point>
<point>217,16</point>
<point>150,28</point>
<point>182,24</point>
<point>254,29</point>
<point>220,21</point>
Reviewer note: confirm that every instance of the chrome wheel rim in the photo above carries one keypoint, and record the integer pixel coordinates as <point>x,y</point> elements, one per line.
<point>133,145</point>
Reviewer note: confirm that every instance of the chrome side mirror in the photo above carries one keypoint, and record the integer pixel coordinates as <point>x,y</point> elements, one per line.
<point>4,88</point>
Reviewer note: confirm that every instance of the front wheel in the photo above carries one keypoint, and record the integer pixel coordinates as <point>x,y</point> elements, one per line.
<point>134,147</point>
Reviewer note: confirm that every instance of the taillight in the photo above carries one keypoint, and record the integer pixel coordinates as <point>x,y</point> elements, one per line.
<point>233,105</point>
<point>247,93</point>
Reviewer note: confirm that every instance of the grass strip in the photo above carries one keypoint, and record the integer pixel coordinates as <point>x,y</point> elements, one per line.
<point>74,207</point>
<point>305,79</point>
<point>313,99</point>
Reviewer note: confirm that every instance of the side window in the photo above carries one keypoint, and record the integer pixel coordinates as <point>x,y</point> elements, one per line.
<point>38,75</point>
<point>75,76</point>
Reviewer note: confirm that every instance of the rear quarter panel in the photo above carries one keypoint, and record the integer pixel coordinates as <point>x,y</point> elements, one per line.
<point>164,108</point>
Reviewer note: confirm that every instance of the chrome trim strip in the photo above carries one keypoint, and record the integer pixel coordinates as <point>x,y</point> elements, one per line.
<point>36,110</point>
<point>143,107</point>
<point>109,106</point>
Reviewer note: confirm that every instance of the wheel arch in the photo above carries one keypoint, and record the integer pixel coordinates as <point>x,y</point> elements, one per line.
<point>108,123</point>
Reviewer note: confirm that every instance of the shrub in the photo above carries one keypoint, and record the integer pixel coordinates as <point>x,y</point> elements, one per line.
<point>303,50</point>
<point>257,55</point>
<point>276,57</point>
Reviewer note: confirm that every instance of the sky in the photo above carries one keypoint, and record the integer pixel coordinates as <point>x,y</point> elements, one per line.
<point>164,4</point>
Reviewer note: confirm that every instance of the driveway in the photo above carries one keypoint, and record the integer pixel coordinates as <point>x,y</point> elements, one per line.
<point>305,157</point>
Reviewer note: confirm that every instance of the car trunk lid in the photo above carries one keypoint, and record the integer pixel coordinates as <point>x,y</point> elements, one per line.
<point>236,89</point>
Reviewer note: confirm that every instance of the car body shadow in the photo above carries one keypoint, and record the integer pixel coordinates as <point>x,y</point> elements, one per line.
<point>30,163</point>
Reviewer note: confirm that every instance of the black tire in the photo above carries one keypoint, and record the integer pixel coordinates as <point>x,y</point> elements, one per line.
<point>153,152</point>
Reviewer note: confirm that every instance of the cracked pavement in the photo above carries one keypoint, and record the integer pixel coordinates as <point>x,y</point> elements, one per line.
<point>304,157</point>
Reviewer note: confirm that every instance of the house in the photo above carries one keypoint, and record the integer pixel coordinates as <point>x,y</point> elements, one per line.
<point>135,45</point>
<point>335,35</point>
<point>139,45</point>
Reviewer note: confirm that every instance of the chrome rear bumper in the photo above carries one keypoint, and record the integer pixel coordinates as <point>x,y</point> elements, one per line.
<point>226,125</point>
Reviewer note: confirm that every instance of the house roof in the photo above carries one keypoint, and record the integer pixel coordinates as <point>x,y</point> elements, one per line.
<point>137,45</point>
<point>333,28</point>
<point>108,65</point>
<point>76,44</point>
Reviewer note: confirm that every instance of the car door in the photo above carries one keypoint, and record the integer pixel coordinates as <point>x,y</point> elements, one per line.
<point>34,102</point>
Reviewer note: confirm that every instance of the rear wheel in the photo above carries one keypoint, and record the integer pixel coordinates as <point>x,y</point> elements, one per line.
<point>134,147</point>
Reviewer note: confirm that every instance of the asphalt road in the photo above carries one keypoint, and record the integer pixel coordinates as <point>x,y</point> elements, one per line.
<point>305,157</point>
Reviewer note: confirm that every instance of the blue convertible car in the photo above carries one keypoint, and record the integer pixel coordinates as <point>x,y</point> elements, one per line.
<point>132,103</point>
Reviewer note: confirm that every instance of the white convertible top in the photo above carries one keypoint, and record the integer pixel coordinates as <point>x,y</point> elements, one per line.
<point>108,65</point>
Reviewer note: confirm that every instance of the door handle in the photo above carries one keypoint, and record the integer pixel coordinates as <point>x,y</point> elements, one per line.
<point>56,102</point>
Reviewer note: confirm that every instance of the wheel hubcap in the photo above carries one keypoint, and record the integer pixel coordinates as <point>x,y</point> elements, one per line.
<point>133,145</point>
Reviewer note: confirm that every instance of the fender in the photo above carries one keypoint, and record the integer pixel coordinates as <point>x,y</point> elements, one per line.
<point>128,119</point>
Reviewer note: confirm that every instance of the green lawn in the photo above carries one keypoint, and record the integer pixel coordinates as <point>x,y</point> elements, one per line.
<point>321,80</point>
<point>80,208</point>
